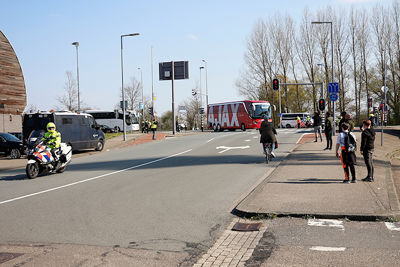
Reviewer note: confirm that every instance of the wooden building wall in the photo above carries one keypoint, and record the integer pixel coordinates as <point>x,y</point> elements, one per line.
<point>12,84</point>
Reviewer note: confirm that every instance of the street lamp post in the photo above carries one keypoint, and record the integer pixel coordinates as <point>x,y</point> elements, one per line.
<point>333,102</point>
<point>122,78</point>
<point>206,84</point>
<point>201,102</point>
<point>76,44</point>
<point>141,85</point>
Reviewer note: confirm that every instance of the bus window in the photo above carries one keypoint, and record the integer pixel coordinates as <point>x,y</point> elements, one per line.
<point>260,110</point>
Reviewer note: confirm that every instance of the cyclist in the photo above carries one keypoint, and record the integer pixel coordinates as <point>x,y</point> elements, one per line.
<point>268,133</point>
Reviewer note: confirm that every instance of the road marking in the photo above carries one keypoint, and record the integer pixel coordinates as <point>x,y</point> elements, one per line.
<point>247,140</point>
<point>326,223</point>
<point>255,137</point>
<point>211,139</point>
<point>392,226</point>
<point>226,148</point>
<point>300,138</point>
<point>318,248</point>
<point>93,178</point>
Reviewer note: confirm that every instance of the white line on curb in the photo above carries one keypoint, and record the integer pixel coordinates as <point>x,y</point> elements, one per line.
<point>329,249</point>
<point>326,223</point>
<point>392,226</point>
<point>93,178</point>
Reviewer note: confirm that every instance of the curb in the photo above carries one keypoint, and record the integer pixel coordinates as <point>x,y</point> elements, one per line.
<point>352,217</point>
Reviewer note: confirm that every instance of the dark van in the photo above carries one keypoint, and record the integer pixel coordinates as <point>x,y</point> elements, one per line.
<point>78,130</point>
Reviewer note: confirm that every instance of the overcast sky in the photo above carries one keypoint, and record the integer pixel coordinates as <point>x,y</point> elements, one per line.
<point>41,33</point>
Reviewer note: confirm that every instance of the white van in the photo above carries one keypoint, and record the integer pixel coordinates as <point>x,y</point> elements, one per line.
<point>289,120</point>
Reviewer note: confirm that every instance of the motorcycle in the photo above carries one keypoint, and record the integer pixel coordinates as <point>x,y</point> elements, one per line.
<point>42,161</point>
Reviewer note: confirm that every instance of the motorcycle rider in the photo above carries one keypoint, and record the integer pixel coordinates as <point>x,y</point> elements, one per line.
<point>268,133</point>
<point>53,139</point>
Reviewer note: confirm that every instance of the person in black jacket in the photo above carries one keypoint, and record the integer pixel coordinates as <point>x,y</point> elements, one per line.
<point>367,148</point>
<point>317,126</point>
<point>268,133</point>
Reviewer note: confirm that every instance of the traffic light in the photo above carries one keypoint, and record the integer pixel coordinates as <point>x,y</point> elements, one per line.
<point>194,92</point>
<point>369,102</point>
<point>321,104</point>
<point>151,110</point>
<point>275,84</point>
<point>201,110</point>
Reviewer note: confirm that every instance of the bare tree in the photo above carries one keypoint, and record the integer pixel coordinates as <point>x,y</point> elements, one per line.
<point>133,93</point>
<point>69,100</point>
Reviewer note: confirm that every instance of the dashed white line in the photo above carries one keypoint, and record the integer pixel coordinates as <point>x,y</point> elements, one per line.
<point>93,178</point>
<point>326,223</point>
<point>211,139</point>
<point>247,140</point>
<point>328,249</point>
<point>392,226</point>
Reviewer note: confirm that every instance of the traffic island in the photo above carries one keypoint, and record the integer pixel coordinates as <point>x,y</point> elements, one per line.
<point>309,183</point>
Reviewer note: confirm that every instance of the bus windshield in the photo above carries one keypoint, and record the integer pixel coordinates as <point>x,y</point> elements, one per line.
<point>261,109</point>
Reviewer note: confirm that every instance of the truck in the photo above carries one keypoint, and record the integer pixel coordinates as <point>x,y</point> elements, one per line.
<point>79,130</point>
<point>246,114</point>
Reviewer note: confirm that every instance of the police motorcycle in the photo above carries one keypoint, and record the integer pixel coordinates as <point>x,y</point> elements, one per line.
<point>40,158</point>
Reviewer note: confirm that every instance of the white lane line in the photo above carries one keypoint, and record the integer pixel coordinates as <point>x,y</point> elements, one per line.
<point>392,226</point>
<point>318,248</point>
<point>93,178</point>
<point>255,137</point>
<point>326,223</point>
<point>247,140</point>
<point>226,148</point>
<point>211,139</point>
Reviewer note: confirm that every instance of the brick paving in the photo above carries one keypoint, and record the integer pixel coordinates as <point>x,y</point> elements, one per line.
<point>233,248</point>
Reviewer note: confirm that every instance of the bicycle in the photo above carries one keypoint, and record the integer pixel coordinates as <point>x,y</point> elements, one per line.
<point>268,152</point>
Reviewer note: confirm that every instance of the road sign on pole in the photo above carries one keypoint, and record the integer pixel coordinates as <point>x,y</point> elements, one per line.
<point>333,88</point>
<point>333,97</point>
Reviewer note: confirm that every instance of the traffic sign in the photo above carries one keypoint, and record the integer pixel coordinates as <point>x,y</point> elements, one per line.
<point>333,88</point>
<point>333,97</point>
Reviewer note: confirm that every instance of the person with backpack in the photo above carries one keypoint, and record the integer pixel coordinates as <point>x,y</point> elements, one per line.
<point>367,148</point>
<point>348,144</point>
<point>328,130</point>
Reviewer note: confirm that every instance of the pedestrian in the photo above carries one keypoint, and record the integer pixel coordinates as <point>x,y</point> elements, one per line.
<point>350,121</point>
<point>372,119</point>
<point>347,142</point>
<point>342,119</point>
<point>328,130</point>
<point>298,122</point>
<point>367,148</point>
<point>317,126</point>
<point>153,127</point>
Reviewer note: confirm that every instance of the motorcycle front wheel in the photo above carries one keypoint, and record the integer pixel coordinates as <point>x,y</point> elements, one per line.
<point>32,170</point>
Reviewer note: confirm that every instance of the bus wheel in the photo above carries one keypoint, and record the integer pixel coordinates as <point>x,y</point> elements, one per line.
<point>117,129</point>
<point>243,127</point>
<point>214,127</point>
<point>288,126</point>
<point>218,127</point>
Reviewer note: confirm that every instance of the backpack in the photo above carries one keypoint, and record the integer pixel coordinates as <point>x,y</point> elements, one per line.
<point>350,144</point>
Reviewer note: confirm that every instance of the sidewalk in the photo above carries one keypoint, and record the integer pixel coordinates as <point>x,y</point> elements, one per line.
<point>309,182</point>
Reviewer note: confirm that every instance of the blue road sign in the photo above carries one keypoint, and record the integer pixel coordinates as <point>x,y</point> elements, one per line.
<point>333,88</point>
<point>333,97</point>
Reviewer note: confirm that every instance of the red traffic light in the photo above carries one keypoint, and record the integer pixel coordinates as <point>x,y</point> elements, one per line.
<point>321,104</point>
<point>275,84</point>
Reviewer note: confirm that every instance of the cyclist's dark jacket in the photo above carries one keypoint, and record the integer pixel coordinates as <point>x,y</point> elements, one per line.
<point>267,132</point>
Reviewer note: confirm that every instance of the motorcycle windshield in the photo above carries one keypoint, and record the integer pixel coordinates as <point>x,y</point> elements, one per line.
<point>35,137</point>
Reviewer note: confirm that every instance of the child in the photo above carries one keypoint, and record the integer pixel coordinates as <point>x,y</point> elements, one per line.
<point>347,142</point>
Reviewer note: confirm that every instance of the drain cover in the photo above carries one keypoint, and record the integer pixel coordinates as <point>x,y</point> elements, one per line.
<point>244,227</point>
<point>5,256</point>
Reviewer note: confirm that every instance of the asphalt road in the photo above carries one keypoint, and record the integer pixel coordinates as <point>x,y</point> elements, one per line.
<point>172,195</point>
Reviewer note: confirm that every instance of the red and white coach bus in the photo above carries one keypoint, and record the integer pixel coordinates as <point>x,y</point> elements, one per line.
<point>246,114</point>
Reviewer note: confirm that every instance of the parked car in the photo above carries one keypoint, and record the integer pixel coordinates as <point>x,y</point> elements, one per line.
<point>11,146</point>
<point>107,129</point>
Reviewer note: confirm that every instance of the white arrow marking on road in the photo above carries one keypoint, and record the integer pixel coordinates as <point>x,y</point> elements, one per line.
<point>392,226</point>
<point>328,248</point>
<point>226,148</point>
<point>326,223</point>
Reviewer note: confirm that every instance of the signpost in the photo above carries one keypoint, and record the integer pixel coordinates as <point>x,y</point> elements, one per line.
<point>171,71</point>
<point>333,97</point>
<point>333,88</point>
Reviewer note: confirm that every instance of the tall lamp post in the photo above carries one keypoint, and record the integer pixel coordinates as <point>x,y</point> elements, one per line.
<point>333,102</point>
<point>201,101</point>
<point>76,44</point>
<point>123,91</point>
<point>141,85</point>
<point>206,84</point>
